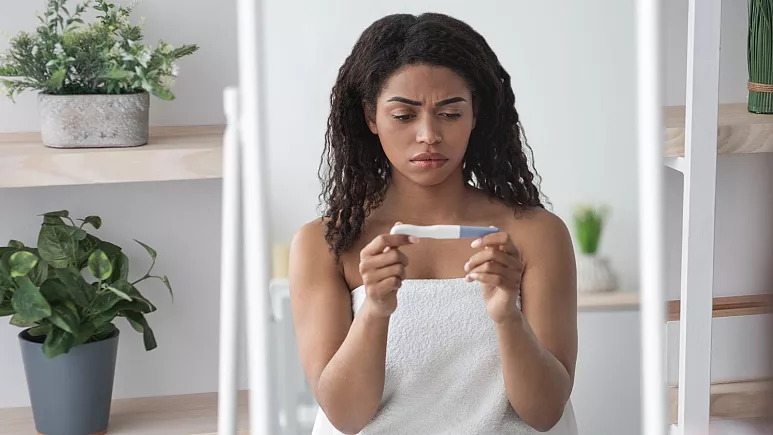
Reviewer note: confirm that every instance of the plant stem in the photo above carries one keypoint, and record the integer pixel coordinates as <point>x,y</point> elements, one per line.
<point>760,54</point>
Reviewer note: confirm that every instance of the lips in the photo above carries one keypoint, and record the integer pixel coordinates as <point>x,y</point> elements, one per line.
<point>429,160</point>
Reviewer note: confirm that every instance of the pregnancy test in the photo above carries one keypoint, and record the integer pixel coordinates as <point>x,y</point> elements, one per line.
<point>443,231</point>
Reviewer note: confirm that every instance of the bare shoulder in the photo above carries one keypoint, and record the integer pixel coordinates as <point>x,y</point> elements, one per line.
<point>540,233</point>
<point>310,257</point>
<point>310,235</point>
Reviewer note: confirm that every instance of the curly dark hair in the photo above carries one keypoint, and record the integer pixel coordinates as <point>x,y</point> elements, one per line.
<point>357,170</point>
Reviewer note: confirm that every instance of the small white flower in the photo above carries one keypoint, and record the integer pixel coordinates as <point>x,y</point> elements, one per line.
<point>166,48</point>
<point>167,81</point>
<point>58,50</point>
<point>175,70</point>
<point>144,58</point>
<point>35,50</point>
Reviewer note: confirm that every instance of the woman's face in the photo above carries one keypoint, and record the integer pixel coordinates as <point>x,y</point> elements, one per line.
<point>423,119</point>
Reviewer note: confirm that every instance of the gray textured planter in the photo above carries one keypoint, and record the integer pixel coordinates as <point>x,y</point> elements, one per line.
<point>70,394</point>
<point>94,121</point>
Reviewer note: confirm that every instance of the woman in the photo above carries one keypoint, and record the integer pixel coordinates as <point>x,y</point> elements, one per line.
<point>398,335</point>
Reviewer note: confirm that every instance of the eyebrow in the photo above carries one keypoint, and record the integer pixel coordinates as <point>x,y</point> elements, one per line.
<point>418,103</point>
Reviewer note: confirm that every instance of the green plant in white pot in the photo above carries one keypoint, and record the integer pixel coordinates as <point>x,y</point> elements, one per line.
<point>94,80</point>
<point>594,273</point>
<point>65,294</point>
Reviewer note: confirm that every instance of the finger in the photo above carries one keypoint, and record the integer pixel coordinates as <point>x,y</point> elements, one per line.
<point>383,260</point>
<point>490,255</point>
<point>493,268</point>
<point>500,239</point>
<point>385,286</point>
<point>378,275</point>
<point>389,247</point>
<point>492,279</point>
<point>380,243</point>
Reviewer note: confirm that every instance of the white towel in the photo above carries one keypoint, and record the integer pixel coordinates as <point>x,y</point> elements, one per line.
<point>443,372</point>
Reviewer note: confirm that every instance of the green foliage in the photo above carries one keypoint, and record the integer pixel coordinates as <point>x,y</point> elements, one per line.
<point>759,56</point>
<point>588,225</point>
<point>66,56</point>
<point>45,288</point>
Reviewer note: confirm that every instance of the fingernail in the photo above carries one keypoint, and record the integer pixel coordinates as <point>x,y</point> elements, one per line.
<point>467,266</point>
<point>386,249</point>
<point>476,243</point>
<point>413,239</point>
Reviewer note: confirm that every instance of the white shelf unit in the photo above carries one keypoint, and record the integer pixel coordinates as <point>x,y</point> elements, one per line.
<point>696,134</point>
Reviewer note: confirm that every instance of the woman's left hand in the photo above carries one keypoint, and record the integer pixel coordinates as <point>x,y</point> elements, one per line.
<point>498,267</point>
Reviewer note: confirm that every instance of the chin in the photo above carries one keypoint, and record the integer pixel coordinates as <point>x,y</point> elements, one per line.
<point>429,179</point>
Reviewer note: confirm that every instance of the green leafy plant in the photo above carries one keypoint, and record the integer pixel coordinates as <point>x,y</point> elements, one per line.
<point>760,56</point>
<point>588,225</point>
<point>46,289</point>
<point>66,56</point>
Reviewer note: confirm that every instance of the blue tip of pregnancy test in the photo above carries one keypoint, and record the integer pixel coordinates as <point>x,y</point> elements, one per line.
<point>475,232</point>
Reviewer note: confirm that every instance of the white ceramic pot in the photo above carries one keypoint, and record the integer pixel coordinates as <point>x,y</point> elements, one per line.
<point>594,274</point>
<point>94,121</point>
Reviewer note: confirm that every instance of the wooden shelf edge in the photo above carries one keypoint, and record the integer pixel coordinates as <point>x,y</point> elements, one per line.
<point>617,300</point>
<point>173,153</point>
<point>188,414</point>
<point>732,400</point>
<point>738,132</point>
<point>731,306</point>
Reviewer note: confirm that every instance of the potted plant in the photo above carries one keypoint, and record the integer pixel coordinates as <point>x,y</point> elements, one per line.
<point>760,56</point>
<point>94,80</point>
<point>594,273</point>
<point>69,341</point>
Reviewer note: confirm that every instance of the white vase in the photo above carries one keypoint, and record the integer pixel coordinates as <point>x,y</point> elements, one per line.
<point>594,274</point>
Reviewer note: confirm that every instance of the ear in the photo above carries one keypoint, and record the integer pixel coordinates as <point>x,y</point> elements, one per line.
<point>371,122</point>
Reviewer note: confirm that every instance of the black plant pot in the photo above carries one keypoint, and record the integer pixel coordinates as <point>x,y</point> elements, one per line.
<point>70,394</point>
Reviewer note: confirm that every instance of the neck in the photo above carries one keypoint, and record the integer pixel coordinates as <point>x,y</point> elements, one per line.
<point>444,203</point>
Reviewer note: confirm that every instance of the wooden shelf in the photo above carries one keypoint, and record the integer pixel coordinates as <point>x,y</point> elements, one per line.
<point>727,306</point>
<point>732,400</point>
<point>607,301</point>
<point>191,414</point>
<point>172,153</point>
<point>739,131</point>
<point>731,306</point>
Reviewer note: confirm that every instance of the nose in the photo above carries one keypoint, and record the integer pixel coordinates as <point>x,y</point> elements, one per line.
<point>427,132</point>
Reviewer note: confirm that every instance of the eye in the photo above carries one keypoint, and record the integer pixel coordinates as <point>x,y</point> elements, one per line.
<point>402,117</point>
<point>451,115</point>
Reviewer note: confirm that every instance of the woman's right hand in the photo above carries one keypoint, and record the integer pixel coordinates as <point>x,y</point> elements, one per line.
<point>382,267</point>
